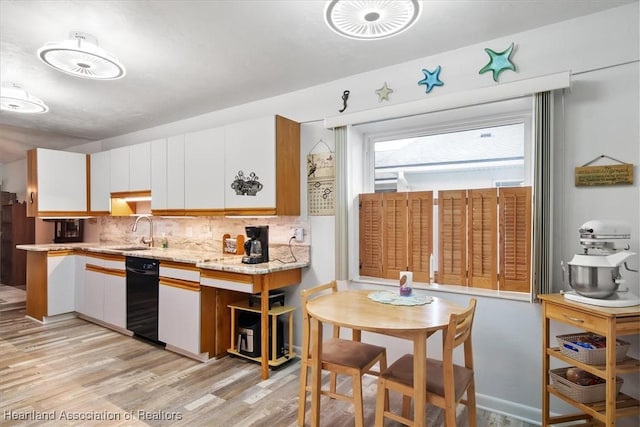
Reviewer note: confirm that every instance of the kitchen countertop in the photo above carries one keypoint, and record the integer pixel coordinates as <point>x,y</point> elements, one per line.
<point>201,259</point>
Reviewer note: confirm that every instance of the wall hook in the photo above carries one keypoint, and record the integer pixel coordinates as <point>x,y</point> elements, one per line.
<point>345,97</point>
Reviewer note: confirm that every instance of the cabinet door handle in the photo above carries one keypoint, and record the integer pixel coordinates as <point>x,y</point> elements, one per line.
<point>574,319</point>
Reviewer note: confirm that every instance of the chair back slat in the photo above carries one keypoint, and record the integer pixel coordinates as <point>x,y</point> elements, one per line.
<point>305,295</point>
<point>460,325</point>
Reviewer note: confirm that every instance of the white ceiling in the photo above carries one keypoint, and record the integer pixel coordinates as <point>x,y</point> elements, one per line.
<point>185,58</point>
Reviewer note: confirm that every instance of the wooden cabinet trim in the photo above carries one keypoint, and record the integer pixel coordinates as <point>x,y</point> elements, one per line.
<point>64,252</point>
<point>226,275</point>
<point>287,166</point>
<point>181,284</point>
<point>104,270</point>
<point>108,257</point>
<point>32,183</point>
<point>123,194</point>
<point>180,265</point>
<point>37,274</point>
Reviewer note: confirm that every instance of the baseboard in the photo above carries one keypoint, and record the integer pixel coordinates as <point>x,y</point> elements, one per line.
<point>202,357</point>
<point>518,411</point>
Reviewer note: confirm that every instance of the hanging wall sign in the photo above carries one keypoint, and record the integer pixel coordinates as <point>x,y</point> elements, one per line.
<point>321,182</point>
<point>618,174</point>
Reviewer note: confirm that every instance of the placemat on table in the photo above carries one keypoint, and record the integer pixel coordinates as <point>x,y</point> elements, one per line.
<point>387,297</point>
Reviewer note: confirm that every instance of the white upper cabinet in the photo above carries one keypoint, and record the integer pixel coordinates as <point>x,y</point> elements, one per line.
<point>204,170</point>
<point>56,183</point>
<point>262,167</point>
<point>250,164</point>
<point>130,168</point>
<point>175,172</point>
<point>140,167</point>
<point>119,169</point>
<point>167,175</point>
<point>100,184</point>
<point>159,175</point>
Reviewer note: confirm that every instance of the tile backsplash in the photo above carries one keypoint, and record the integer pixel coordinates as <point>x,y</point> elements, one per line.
<point>200,233</point>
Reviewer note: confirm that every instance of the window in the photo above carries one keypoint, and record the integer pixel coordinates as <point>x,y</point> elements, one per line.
<point>451,199</point>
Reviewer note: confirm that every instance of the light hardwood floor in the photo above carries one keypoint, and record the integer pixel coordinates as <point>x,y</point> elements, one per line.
<point>51,374</point>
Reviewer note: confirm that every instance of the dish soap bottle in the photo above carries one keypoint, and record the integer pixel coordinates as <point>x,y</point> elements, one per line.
<point>165,242</point>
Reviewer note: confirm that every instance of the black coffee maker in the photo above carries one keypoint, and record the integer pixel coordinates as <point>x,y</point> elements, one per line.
<point>256,248</point>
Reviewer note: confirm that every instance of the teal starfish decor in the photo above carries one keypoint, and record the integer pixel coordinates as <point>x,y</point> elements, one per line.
<point>431,79</point>
<point>499,62</point>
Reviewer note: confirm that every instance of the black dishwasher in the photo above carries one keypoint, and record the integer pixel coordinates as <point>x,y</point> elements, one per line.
<point>143,277</point>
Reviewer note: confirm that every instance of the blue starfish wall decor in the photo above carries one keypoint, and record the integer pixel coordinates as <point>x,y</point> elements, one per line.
<point>431,79</point>
<point>499,62</point>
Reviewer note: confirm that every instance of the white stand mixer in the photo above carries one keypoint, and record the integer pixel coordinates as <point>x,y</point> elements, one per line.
<point>594,275</point>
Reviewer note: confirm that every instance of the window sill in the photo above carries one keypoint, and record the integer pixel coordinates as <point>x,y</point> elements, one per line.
<point>514,296</point>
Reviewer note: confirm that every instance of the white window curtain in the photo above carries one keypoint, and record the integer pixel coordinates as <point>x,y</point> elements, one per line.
<point>341,204</point>
<point>541,266</point>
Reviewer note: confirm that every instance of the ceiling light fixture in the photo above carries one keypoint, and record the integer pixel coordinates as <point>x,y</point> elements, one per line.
<point>371,19</point>
<point>13,97</point>
<point>80,56</point>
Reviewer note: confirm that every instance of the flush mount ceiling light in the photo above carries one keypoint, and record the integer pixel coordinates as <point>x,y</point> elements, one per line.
<point>14,97</point>
<point>371,19</point>
<point>80,56</point>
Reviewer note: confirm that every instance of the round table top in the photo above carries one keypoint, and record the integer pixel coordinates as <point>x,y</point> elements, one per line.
<point>353,309</point>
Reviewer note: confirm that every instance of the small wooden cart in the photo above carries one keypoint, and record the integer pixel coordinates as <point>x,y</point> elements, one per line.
<point>273,312</point>
<point>608,322</point>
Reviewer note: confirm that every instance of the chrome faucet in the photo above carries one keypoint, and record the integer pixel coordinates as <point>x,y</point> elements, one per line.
<point>146,241</point>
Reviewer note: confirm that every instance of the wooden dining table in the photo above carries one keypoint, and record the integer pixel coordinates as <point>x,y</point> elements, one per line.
<point>355,310</point>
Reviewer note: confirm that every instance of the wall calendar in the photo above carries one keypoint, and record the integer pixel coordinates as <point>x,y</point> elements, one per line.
<point>321,184</point>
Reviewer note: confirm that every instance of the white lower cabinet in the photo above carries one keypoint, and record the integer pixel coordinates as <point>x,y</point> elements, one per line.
<point>115,299</point>
<point>179,317</point>
<point>79,283</point>
<point>60,289</point>
<point>105,290</point>
<point>93,293</point>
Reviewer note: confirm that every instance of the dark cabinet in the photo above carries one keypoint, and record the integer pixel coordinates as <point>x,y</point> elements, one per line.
<point>16,229</point>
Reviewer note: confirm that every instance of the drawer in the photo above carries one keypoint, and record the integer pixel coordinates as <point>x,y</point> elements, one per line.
<point>112,261</point>
<point>578,318</point>
<point>230,281</point>
<point>181,284</point>
<point>181,271</point>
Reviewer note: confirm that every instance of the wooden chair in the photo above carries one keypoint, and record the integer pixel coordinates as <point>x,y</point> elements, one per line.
<point>446,381</point>
<point>339,356</point>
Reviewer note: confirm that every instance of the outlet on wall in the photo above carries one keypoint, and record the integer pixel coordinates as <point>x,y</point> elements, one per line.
<point>298,233</point>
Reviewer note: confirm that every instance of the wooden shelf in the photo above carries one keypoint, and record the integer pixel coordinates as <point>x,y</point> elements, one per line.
<point>625,405</point>
<point>274,312</point>
<point>628,366</point>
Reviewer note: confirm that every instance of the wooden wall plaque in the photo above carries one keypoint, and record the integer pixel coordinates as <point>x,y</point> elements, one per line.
<point>587,176</point>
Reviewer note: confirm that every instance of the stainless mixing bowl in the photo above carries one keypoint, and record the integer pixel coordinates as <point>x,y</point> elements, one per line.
<point>594,282</point>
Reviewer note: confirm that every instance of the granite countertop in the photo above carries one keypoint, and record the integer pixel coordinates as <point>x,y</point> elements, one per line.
<point>201,259</point>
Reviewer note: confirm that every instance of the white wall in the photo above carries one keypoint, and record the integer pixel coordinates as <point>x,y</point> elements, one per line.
<point>598,115</point>
<point>601,118</point>
<point>14,178</point>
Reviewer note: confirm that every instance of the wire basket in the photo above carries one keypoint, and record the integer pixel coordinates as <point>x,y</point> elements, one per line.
<point>580,393</point>
<point>590,356</point>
